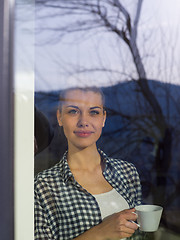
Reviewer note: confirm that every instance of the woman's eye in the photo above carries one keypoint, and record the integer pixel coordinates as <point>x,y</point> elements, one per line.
<point>94,112</point>
<point>73,111</point>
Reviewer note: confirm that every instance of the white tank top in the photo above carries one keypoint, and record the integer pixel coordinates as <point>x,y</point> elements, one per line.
<point>110,202</point>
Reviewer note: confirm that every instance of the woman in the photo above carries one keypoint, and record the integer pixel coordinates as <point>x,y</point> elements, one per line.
<point>86,195</point>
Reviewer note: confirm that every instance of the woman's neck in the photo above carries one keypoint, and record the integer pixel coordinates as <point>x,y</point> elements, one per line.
<point>87,158</point>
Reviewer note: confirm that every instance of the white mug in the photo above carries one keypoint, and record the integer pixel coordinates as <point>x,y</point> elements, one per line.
<point>149,217</point>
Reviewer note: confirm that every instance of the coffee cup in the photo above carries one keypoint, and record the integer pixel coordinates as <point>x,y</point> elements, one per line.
<point>148,217</point>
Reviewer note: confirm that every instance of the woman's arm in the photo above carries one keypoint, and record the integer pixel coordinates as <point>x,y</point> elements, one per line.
<point>41,228</point>
<point>137,187</point>
<point>117,225</point>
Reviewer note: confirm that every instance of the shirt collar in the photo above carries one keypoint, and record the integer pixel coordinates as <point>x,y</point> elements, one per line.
<point>66,172</point>
<point>104,157</point>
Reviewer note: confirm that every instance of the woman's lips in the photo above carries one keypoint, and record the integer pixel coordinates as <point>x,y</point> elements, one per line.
<point>83,133</point>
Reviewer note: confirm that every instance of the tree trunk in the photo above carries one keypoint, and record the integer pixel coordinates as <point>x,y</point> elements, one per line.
<point>162,164</point>
<point>145,89</point>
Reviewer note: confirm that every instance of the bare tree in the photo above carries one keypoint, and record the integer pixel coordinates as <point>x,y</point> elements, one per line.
<point>111,16</point>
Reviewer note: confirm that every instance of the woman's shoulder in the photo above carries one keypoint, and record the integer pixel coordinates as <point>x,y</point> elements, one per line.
<point>50,174</point>
<point>122,164</point>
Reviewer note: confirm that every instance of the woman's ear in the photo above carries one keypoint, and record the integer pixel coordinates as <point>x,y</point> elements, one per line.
<point>104,120</point>
<point>58,114</point>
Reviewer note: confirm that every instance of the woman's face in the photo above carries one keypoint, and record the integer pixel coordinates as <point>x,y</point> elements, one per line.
<point>82,118</point>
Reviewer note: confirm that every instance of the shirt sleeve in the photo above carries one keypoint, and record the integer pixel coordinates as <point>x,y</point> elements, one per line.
<point>137,187</point>
<point>42,230</point>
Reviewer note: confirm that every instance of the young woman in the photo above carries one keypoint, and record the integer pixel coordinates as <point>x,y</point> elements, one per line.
<point>87,195</point>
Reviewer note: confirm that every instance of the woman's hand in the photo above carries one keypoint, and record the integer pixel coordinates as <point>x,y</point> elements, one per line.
<point>115,226</point>
<point>118,225</point>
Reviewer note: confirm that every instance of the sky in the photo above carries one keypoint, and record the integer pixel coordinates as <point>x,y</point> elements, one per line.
<point>55,66</point>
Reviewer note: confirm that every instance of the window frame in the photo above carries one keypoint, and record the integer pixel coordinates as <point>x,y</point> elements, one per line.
<point>6,120</point>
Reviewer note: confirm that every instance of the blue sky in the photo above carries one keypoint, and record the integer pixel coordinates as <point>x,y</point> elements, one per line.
<point>55,64</point>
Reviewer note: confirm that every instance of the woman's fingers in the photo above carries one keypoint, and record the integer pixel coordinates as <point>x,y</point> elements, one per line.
<point>128,215</point>
<point>132,225</point>
<point>119,225</point>
<point>125,229</point>
<point>126,222</point>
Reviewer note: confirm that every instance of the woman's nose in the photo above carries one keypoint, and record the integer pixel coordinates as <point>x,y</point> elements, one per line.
<point>83,121</point>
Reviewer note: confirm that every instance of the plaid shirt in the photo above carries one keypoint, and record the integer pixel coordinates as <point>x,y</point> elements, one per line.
<point>64,210</point>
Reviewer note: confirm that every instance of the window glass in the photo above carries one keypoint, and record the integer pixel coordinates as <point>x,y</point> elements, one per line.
<point>130,49</point>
